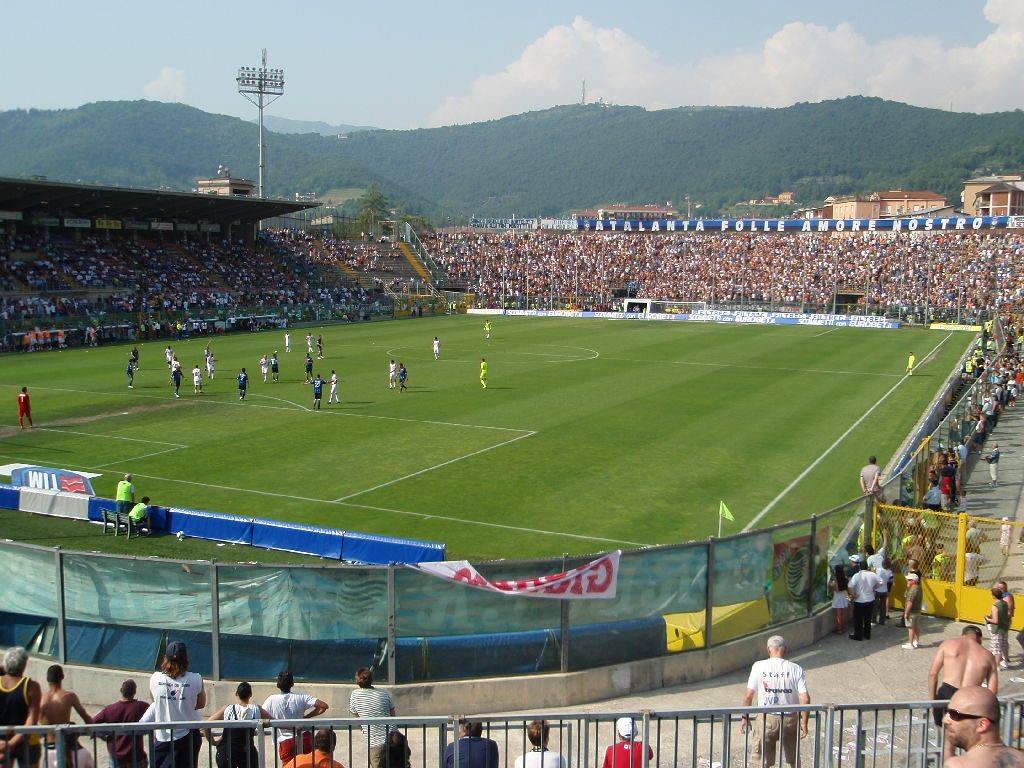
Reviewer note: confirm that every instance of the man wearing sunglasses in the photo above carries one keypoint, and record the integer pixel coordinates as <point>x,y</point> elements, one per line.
<point>971,723</point>
<point>960,662</point>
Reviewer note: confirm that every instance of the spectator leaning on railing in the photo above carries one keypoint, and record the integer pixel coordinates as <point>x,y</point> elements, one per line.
<point>126,750</point>
<point>367,701</point>
<point>178,695</point>
<point>19,705</point>
<point>292,706</point>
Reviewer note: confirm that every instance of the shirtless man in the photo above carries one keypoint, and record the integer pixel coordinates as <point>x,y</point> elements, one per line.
<point>58,703</point>
<point>971,723</point>
<point>962,661</point>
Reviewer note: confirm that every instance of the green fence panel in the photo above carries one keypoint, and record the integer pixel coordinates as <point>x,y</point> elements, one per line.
<point>318,623</point>
<point>150,594</point>
<point>741,571</point>
<point>28,581</point>
<point>302,603</point>
<point>792,558</point>
<point>426,606</point>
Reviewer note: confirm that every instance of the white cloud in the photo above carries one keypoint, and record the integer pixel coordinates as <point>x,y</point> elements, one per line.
<point>168,86</point>
<point>798,62</point>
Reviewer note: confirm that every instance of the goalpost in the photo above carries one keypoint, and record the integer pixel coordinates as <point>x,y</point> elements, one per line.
<point>663,307</point>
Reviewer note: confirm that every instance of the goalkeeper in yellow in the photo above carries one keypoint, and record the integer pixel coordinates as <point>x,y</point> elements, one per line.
<point>911,360</point>
<point>487,329</point>
<point>483,372</point>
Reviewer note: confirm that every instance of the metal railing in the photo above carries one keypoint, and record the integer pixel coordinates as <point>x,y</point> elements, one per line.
<point>868,735</point>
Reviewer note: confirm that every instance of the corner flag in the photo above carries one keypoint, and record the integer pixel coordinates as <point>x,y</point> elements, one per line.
<point>723,511</point>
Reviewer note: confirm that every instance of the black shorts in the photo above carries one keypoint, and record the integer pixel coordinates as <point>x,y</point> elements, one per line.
<point>944,692</point>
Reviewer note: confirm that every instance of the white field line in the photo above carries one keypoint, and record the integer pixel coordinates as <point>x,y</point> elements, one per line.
<point>421,515</point>
<point>111,437</point>
<point>281,400</point>
<point>436,466</point>
<point>749,367</point>
<point>838,441</point>
<point>491,525</point>
<point>139,458</point>
<point>174,446</point>
<point>823,333</point>
<point>282,408</point>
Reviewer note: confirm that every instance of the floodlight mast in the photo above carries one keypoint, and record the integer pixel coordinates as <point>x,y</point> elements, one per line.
<point>261,86</point>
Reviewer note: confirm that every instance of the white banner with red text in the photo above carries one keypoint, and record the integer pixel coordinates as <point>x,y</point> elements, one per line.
<point>595,580</point>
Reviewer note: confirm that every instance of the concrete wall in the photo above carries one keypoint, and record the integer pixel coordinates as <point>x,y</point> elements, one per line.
<point>97,687</point>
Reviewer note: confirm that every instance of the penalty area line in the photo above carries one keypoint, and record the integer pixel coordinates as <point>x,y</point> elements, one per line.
<point>771,504</point>
<point>436,466</point>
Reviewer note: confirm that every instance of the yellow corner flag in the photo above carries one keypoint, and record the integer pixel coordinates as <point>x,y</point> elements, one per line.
<point>723,511</point>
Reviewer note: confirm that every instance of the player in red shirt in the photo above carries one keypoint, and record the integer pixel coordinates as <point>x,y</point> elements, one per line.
<point>24,408</point>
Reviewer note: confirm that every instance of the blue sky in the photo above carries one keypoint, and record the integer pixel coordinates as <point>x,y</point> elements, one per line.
<point>402,64</point>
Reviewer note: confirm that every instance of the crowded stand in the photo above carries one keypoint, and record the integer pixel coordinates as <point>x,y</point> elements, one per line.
<point>895,272</point>
<point>143,282</point>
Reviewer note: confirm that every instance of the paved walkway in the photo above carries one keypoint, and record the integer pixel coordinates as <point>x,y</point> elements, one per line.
<point>839,671</point>
<point>1006,499</point>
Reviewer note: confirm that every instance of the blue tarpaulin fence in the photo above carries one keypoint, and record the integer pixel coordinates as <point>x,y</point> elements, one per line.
<point>330,543</point>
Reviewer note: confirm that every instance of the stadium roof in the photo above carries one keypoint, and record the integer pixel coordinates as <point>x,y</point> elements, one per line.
<point>86,200</point>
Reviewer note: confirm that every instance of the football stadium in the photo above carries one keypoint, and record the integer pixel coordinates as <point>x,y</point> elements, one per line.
<point>329,468</point>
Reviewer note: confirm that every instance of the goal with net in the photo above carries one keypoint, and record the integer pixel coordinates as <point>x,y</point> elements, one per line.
<point>663,307</point>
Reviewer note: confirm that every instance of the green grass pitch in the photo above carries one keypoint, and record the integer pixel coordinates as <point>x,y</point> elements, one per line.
<point>592,434</point>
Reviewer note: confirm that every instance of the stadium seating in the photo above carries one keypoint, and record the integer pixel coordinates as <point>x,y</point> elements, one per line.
<point>894,269</point>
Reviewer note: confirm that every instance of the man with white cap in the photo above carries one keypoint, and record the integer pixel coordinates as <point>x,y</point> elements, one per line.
<point>912,611</point>
<point>862,587</point>
<point>626,753</point>
<point>778,682</point>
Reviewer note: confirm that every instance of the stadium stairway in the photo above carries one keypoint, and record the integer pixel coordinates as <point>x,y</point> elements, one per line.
<point>414,261</point>
<point>184,255</point>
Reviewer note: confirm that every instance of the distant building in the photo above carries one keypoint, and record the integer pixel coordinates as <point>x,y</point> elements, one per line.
<point>623,211</point>
<point>783,198</point>
<point>224,184</point>
<point>973,187</point>
<point>994,196</point>
<point>886,204</point>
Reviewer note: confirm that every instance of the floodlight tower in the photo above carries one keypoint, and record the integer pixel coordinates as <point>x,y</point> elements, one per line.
<point>262,87</point>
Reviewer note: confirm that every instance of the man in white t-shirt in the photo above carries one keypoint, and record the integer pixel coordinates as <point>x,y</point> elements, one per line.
<point>777,682</point>
<point>862,587</point>
<point>292,706</point>
<point>540,756</point>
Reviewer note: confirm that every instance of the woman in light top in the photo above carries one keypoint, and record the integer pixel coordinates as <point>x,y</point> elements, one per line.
<point>235,747</point>
<point>178,696</point>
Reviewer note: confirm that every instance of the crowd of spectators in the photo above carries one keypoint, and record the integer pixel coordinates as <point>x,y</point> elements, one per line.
<point>44,281</point>
<point>949,269</point>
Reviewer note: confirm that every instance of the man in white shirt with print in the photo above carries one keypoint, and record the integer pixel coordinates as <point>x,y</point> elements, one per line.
<point>777,682</point>
<point>862,587</point>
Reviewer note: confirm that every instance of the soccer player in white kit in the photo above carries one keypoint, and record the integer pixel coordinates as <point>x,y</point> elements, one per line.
<point>211,365</point>
<point>168,355</point>
<point>309,344</point>
<point>437,348</point>
<point>264,367</point>
<point>333,396</point>
<point>392,374</point>
<point>197,380</point>
<point>287,342</point>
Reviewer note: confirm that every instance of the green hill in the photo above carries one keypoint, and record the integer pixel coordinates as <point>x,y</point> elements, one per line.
<point>152,144</point>
<point>544,162</point>
<point>573,156</point>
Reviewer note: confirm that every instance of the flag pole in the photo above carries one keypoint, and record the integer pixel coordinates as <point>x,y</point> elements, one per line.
<point>719,523</point>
